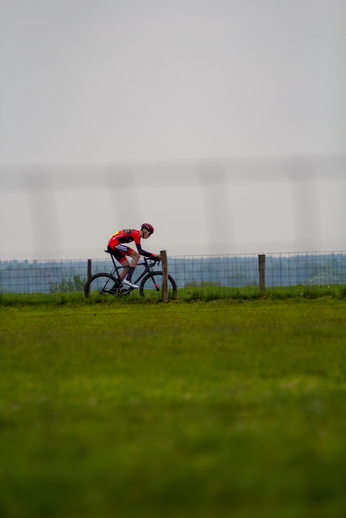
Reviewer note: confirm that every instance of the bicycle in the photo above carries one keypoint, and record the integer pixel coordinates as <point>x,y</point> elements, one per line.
<point>105,284</point>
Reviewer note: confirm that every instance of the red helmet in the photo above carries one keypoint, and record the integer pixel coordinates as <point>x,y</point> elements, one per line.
<point>148,227</point>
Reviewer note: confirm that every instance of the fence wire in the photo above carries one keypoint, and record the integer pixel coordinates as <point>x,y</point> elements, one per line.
<point>218,275</point>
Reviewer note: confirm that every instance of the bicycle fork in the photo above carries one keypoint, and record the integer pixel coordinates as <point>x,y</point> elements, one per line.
<point>156,286</point>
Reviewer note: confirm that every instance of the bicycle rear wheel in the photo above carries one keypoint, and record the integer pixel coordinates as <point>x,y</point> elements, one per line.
<point>151,286</point>
<point>102,285</point>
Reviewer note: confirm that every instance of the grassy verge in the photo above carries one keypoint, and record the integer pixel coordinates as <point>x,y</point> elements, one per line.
<point>211,409</point>
<point>275,293</point>
<point>188,294</point>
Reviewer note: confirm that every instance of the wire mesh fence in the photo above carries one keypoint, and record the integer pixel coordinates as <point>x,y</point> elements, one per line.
<point>240,275</point>
<point>195,276</point>
<point>42,276</point>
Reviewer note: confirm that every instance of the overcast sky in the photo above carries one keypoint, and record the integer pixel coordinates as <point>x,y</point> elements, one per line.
<point>103,81</point>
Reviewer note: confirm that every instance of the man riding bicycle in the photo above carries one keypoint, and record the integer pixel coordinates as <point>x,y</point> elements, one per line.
<point>118,248</point>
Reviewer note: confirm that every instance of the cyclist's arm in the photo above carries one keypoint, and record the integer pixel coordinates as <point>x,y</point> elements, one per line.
<point>143,252</point>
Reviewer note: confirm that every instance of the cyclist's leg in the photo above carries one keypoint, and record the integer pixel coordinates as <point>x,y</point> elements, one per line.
<point>135,258</point>
<point>120,255</point>
<point>126,266</point>
<point>120,252</point>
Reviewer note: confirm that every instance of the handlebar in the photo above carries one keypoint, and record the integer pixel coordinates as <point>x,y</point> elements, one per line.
<point>149,261</point>
<point>152,260</point>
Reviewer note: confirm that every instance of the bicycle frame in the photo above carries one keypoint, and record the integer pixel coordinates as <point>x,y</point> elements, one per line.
<point>147,269</point>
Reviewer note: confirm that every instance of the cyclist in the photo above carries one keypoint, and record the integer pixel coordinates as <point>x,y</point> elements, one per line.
<point>117,247</point>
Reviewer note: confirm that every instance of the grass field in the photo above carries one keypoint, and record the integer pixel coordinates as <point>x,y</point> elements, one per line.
<point>197,292</point>
<point>203,409</point>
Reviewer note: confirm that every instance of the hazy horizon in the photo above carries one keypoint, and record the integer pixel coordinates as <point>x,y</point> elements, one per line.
<point>132,85</point>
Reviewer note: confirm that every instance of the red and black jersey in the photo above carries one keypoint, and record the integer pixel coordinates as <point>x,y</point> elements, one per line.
<point>125,236</point>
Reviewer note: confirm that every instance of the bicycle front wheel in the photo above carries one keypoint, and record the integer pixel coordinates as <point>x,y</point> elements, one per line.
<point>151,286</point>
<point>102,285</point>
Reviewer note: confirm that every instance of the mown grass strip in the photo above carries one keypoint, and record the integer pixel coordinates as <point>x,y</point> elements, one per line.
<point>203,293</point>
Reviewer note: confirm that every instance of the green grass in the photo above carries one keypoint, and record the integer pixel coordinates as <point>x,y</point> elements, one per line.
<point>230,408</point>
<point>205,292</point>
<point>202,292</point>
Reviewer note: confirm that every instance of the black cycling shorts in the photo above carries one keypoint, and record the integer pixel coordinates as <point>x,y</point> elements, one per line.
<point>120,252</point>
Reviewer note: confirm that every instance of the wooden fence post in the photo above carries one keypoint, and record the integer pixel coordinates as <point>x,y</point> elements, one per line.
<point>262,272</point>
<point>164,276</point>
<point>90,273</point>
